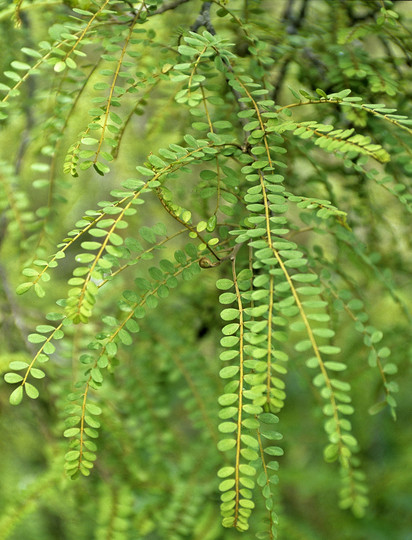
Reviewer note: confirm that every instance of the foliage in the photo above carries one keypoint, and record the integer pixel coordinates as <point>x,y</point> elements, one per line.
<point>174,158</point>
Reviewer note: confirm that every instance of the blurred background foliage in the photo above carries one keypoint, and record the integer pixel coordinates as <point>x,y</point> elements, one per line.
<point>155,475</point>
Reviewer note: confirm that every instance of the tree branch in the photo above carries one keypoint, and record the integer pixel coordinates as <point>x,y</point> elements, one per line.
<point>167,7</point>
<point>203,19</point>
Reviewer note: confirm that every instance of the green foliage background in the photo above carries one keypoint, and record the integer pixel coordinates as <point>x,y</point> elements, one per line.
<point>205,224</point>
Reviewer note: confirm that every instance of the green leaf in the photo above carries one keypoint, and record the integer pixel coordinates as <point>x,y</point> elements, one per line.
<point>250,441</point>
<point>226,485</point>
<point>274,451</point>
<point>38,289</point>
<point>228,355</point>
<point>250,423</point>
<point>331,453</point>
<point>16,396</point>
<point>59,67</point>
<point>156,161</point>
<point>225,471</point>
<point>230,329</point>
<point>31,390</point>
<point>147,234</point>
<point>335,366</point>
<point>24,287</point>
<point>37,373</point>
<point>390,369</point>
<point>329,349</point>
<point>345,409</point>
<point>36,338</point>
<point>70,63</point>
<point>12,378</point>
<point>228,412</point>
<point>227,399</point>
<point>72,455</point>
<point>89,141</point>
<point>323,332</point>
<point>227,298</point>
<point>187,51</point>
<point>248,470</point>
<point>376,336</point>
<point>226,444</point>
<point>101,168</point>
<point>144,171</point>
<point>377,408</point>
<point>229,372</point>
<point>85,258</point>
<point>30,52</point>
<point>268,418</point>
<point>246,503</point>
<point>90,245</point>
<point>96,375</point>
<point>18,365</point>
<point>304,345</point>
<point>305,278</point>
<point>93,409</point>
<point>45,328</point>
<point>71,432</point>
<point>224,284</point>
<point>229,314</point>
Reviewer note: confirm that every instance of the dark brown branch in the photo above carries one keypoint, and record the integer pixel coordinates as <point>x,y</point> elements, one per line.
<point>203,19</point>
<point>167,7</point>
